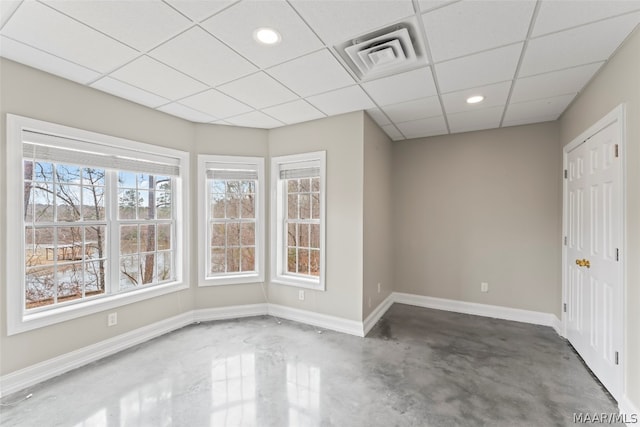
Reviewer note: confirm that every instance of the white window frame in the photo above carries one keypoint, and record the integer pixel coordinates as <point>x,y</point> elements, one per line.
<point>18,319</point>
<point>279,274</point>
<point>209,161</point>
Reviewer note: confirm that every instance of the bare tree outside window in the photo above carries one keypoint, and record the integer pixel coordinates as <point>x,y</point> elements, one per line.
<point>232,225</point>
<point>145,215</point>
<point>64,232</point>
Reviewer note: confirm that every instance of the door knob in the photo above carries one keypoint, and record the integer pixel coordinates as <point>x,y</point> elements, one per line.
<point>583,263</point>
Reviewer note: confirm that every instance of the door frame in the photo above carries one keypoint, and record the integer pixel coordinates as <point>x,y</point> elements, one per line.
<point>616,116</point>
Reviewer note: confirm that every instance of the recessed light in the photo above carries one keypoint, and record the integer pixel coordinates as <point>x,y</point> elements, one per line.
<point>266,36</point>
<point>475,99</point>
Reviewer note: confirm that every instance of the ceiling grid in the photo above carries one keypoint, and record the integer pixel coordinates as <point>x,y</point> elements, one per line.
<point>199,60</point>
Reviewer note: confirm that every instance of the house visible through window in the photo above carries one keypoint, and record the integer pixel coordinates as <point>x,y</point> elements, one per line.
<point>100,218</point>
<point>298,182</point>
<point>232,219</point>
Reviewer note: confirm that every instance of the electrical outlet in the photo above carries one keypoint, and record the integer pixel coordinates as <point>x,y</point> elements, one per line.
<point>112,319</point>
<point>301,295</point>
<point>379,288</point>
<point>484,287</point>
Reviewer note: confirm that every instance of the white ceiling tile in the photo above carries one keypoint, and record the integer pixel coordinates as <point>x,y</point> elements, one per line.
<point>312,74</point>
<point>255,119</point>
<point>427,5</point>
<point>485,118</point>
<point>200,55</point>
<point>152,76</point>
<point>379,117</point>
<point>471,26</point>
<point>423,127</point>
<point>529,120</point>
<point>140,24</point>
<point>216,104</point>
<point>42,27</point>
<point>200,9</point>
<point>7,7</point>
<point>539,110</point>
<point>342,101</point>
<point>187,113</point>
<point>44,61</point>
<point>258,90</point>
<point>556,15</point>
<point>481,69</point>
<point>554,83</point>
<point>126,91</point>
<point>582,45</point>
<point>338,21</point>
<point>414,110</point>
<point>402,87</point>
<point>294,112</point>
<point>235,27</point>
<point>494,96</point>
<point>393,132</point>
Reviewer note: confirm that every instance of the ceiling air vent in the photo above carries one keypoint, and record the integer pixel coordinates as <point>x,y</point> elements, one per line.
<point>384,52</point>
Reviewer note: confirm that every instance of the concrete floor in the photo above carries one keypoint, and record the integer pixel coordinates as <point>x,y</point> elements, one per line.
<point>418,367</point>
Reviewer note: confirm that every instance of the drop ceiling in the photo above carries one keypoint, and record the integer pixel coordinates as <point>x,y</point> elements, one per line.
<point>197,59</point>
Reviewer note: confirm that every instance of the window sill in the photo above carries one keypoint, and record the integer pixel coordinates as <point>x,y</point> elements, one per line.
<point>299,282</point>
<point>240,279</point>
<point>56,315</point>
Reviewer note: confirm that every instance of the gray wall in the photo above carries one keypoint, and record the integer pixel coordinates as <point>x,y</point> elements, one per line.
<point>378,234</point>
<point>619,82</point>
<point>341,136</point>
<point>39,95</point>
<point>32,93</point>
<point>480,207</point>
<point>231,141</point>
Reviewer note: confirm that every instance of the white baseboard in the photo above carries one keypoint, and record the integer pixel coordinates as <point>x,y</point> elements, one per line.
<point>231,312</point>
<point>630,411</point>
<point>42,371</point>
<point>377,314</point>
<point>351,327</point>
<point>557,326</point>
<point>497,312</point>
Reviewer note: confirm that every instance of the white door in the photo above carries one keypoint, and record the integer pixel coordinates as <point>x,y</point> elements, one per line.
<point>594,295</point>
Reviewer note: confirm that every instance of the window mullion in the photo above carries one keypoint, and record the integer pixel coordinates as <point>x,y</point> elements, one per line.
<point>113,231</point>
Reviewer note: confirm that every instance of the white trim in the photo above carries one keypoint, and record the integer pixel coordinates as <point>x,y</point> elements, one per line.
<point>631,411</point>
<point>485,310</point>
<point>233,162</point>
<point>34,374</point>
<point>618,114</point>
<point>278,205</point>
<point>377,314</point>
<point>351,327</point>
<point>231,312</point>
<point>18,319</point>
<point>42,371</point>
<point>557,326</point>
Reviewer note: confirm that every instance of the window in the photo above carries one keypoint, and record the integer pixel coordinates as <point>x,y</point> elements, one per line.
<point>298,211</point>
<point>98,222</point>
<point>231,219</point>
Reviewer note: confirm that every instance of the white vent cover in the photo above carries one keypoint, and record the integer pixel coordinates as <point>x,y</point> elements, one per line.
<point>384,52</point>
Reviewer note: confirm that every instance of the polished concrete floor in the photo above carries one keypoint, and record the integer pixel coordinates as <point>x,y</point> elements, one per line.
<point>418,367</point>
